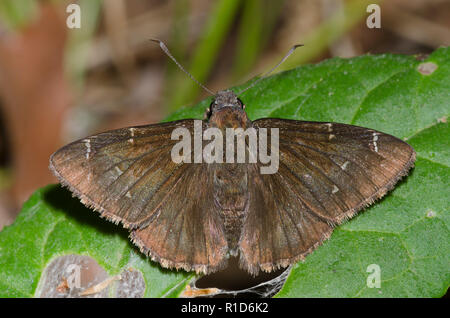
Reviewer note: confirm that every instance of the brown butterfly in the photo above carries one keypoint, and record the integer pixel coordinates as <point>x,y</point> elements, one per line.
<point>194,216</point>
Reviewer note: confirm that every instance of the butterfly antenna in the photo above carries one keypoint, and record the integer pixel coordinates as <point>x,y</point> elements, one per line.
<point>273,69</point>
<point>166,50</point>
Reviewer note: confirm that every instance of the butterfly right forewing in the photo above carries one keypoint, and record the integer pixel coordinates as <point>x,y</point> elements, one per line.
<point>125,173</point>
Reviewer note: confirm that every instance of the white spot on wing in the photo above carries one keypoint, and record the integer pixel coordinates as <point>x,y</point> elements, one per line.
<point>87,143</point>
<point>131,140</point>
<point>128,195</point>
<point>344,166</point>
<point>329,125</point>
<point>335,189</point>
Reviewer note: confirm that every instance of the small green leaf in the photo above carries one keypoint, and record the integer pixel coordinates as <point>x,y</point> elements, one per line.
<point>406,234</point>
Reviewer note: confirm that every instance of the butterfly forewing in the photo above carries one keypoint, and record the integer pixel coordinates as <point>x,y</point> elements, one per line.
<point>118,172</point>
<point>327,173</point>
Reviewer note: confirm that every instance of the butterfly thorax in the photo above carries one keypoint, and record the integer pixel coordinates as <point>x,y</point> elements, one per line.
<point>230,117</point>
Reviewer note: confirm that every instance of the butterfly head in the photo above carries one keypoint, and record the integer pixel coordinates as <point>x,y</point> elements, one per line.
<point>225,99</point>
<point>227,110</point>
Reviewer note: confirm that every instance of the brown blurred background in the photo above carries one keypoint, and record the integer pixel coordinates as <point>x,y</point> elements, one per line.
<point>59,84</point>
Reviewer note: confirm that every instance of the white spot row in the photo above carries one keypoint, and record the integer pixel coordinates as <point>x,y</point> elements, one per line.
<point>335,189</point>
<point>375,138</point>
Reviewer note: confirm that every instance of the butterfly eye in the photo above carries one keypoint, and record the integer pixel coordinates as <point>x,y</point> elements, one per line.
<point>212,108</point>
<point>241,103</point>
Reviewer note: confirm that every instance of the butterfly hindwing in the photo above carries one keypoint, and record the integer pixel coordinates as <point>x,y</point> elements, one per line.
<point>187,231</point>
<point>279,228</point>
<point>327,173</point>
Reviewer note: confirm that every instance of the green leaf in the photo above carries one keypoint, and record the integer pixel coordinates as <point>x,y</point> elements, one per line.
<point>52,224</point>
<point>406,234</point>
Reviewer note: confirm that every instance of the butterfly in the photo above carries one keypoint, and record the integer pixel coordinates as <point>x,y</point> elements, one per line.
<point>194,216</point>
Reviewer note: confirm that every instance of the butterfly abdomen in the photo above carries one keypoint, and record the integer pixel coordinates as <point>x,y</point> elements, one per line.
<point>231,198</point>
